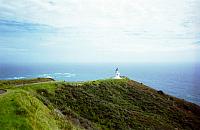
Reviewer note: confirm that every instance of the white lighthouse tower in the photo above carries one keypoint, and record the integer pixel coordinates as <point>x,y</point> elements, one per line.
<point>117,74</point>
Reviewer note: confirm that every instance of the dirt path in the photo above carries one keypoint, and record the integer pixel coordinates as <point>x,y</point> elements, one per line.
<point>2,91</point>
<point>20,85</point>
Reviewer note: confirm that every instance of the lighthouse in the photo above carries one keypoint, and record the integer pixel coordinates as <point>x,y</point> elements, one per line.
<point>117,74</point>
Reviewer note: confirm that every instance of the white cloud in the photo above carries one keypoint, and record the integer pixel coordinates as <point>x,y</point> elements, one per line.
<point>165,14</point>
<point>100,29</point>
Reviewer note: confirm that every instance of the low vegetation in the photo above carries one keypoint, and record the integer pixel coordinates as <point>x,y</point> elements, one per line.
<point>22,108</point>
<point>101,104</point>
<point>20,82</point>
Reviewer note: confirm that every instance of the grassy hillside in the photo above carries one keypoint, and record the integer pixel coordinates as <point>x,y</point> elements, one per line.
<point>22,109</point>
<point>21,82</point>
<point>102,104</point>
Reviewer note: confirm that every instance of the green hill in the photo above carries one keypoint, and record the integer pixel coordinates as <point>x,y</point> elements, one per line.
<point>101,104</point>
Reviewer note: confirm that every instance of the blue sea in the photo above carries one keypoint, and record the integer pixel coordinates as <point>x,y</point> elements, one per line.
<point>180,80</point>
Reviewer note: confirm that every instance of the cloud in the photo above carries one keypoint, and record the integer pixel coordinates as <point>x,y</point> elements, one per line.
<point>11,26</point>
<point>98,30</point>
<point>12,49</point>
<point>167,18</point>
<point>107,13</point>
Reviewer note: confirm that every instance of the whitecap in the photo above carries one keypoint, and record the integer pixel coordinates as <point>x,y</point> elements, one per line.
<point>49,77</point>
<point>58,73</point>
<point>18,78</point>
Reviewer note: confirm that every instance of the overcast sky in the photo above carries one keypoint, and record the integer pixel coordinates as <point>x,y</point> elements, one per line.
<point>85,31</point>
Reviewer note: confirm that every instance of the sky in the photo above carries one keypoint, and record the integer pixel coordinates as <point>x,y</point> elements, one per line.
<point>99,31</point>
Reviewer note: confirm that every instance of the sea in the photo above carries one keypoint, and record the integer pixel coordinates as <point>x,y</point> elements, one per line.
<point>180,80</point>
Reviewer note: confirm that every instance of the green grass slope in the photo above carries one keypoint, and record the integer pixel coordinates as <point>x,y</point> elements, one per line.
<point>21,82</point>
<point>22,109</point>
<point>102,104</point>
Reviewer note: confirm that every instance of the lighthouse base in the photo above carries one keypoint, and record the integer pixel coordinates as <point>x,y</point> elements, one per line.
<point>117,77</point>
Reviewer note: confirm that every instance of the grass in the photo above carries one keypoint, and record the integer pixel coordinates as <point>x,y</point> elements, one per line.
<point>22,109</point>
<point>123,104</point>
<point>20,82</point>
<point>101,104</point>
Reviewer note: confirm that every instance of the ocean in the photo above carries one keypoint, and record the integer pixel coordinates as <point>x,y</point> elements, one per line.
<point>180,80</point>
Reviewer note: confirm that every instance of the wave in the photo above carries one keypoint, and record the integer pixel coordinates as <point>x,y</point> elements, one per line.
<point>45,75</point>
<point>17,78</point>
<point>55,75</point>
